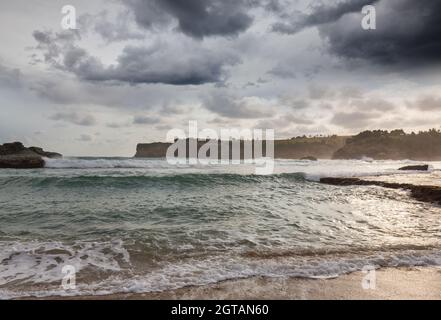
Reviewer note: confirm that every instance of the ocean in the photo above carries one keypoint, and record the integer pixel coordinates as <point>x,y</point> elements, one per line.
<point>141,225</point>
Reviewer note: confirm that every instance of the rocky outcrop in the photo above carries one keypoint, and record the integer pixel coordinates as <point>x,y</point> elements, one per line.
<point>152,150</point>
<point>16,156</point>
<point>12,148</point>
<point>431,194</point>
<point>46,154</point>
<point>21,162</point>
<point>415,168</point>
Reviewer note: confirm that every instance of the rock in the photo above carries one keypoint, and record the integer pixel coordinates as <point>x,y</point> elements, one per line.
<point>415,168</point>
<point>21,162</point>
<point>152,150</point>
<point>430,194</point>
<point>11,148</point>
<point>310,158</point>
<point>41,152</point>
<point>16,156</point>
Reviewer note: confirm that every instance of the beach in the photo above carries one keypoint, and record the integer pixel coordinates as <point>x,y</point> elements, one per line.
<point>391,284</point>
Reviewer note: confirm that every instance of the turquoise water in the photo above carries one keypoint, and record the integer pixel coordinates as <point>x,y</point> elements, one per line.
<point>142,225</point>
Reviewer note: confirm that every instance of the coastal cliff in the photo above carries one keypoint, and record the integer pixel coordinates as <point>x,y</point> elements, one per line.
<point>394,145</point>
<point>152,150</point>
<point>16,156</point>
<point>377,145</point>
<point>295,148</point>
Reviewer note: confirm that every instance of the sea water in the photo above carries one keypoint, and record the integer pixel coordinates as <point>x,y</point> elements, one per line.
<point>142,225</point>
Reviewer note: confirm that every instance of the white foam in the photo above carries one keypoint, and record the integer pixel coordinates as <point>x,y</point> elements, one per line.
<point>313,170</point>
<point>42,262</point>
<point>103,163</point>
<point>192,272</point>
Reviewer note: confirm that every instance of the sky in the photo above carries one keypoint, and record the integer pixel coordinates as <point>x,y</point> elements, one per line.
<point>135,69</point>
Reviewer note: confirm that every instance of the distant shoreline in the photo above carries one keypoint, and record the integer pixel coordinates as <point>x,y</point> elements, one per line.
<point>375,145</point>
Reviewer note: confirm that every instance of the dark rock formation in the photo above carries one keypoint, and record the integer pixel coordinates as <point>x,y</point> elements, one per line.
<point>431,194</point>
<point>21,162</point>
<point>16,156</point>
<point>415,168</point>
<point>12,148</point>
<point>46,154</point>
<point>152,150</point>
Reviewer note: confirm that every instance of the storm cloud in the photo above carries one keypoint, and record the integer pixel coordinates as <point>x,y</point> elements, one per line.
<point>408,32</point>
<point>158,63</point>
<point>321,14</point>
<point>298,66</point>
<point>196,18</point>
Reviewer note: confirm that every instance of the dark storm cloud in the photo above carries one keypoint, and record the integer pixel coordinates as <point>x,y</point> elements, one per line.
<point>321,14</point>
<point>408,32</point>
<point>142,65</point>
<point>74,118</point>
<point>196,18</point>
<point>159,63</point>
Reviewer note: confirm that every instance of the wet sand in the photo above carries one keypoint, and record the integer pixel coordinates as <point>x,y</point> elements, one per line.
<point>402,283</point>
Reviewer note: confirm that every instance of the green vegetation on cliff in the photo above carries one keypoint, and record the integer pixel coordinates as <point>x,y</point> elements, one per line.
<point>304,147</point>
<point>393,145</point>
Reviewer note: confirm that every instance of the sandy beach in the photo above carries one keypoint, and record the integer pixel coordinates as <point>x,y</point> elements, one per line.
<point>391,284</point>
